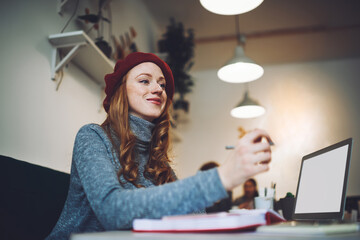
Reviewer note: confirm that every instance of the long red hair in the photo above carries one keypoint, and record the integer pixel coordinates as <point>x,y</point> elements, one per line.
<point>158,167</point>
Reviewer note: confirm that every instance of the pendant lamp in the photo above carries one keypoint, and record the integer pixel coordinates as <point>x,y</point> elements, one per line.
<point>240,68</point>
<point>230,7</point>
<point>247,108</point>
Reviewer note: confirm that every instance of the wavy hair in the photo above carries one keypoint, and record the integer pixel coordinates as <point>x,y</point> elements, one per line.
<point>158,168</point>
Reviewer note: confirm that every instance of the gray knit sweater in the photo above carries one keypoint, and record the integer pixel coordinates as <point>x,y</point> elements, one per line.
<point>98,202</point>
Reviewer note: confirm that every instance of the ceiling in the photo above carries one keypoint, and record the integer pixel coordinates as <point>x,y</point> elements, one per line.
<point>278,31</point>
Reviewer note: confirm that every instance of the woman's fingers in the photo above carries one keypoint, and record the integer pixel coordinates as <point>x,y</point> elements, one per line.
<point>262,158</point>
<point>251,156</point>
<point>255,159</point>
<point>261,147</point>
<point>262,168</point>
<point>253,148</point>
<point>257,134</point>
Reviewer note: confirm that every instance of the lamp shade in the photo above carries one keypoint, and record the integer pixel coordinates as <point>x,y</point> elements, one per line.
<point>247,108</point>
<point>240,68</point>
<point>230,7</point>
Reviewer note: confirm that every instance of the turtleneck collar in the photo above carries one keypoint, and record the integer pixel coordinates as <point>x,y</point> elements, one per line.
<point>141,128</point>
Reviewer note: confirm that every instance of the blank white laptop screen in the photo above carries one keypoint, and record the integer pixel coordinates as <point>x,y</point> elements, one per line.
<point>323,181</point>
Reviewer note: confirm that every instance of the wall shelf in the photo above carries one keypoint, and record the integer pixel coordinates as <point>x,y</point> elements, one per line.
<point>81,49</point>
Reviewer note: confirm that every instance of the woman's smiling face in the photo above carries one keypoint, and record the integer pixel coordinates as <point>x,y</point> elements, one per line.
<point>145,86</point>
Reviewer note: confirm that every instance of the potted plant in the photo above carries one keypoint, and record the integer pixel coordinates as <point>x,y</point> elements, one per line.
<point>178,44</point>
<point>287,205</point>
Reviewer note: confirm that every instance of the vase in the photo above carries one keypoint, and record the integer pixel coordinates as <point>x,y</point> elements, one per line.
<point>287,205</point>
<point>103,46</point>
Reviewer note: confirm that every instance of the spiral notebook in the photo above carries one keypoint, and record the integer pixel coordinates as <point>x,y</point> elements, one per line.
<point>242,220</point>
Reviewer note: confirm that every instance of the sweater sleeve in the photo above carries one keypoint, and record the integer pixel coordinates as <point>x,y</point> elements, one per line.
<point>116,207</point>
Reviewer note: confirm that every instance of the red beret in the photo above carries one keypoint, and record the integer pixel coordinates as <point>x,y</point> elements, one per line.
<point>125,65</point>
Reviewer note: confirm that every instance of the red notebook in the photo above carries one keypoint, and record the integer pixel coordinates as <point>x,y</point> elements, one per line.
<point>236,220</point>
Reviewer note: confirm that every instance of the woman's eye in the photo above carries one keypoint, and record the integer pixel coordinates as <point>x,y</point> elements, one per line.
<point>163,85</point>
<point>145,81</point>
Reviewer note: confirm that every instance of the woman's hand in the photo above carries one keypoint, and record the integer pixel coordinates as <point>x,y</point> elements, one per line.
<point>250,157</point>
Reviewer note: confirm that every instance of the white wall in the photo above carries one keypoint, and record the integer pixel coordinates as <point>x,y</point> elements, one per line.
<point>309,106</point>
<point>39,124</point>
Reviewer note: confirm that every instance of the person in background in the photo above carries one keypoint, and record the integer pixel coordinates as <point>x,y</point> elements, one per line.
<point>121,169</point>
<point>250,192</point>
<point>222,205</point>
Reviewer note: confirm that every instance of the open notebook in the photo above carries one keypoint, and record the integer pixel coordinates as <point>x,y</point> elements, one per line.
<point>321,193</point>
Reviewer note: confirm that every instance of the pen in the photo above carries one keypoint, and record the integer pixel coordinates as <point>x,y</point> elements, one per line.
<point>229,147</point>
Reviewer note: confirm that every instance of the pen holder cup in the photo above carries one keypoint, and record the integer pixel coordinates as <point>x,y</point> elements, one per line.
<point>264,202</point>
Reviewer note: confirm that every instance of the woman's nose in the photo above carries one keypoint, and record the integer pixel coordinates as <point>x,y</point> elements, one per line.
<point>156,88</point>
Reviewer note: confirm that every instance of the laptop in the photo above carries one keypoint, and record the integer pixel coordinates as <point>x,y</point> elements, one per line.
<point>321,193</point>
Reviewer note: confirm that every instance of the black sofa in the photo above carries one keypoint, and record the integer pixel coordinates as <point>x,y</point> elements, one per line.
<point>31,199</point>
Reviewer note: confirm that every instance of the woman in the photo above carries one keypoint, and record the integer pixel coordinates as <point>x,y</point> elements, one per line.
<point>250,192</point>
<point>120,170</point>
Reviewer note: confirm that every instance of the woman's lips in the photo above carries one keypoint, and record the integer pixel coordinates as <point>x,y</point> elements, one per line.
<point>156,101</point>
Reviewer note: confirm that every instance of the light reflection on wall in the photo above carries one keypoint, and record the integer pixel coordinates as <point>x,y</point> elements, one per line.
<point>309,106</point>
<point>296,118</point>
<point>305,110</point>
